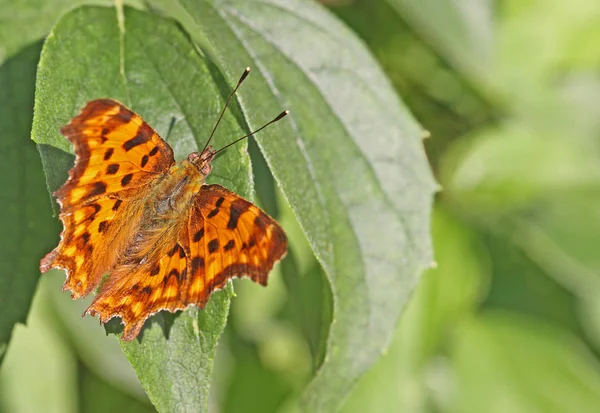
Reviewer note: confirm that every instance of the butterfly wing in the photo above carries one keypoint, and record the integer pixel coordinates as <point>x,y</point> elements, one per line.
<point>117,155</point>
<point>136,292</point>
<point>115,151</point>
<point>225,237</point>
<point>229,237</point>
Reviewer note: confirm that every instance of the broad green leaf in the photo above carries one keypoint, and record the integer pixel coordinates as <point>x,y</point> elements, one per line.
<point>99,352</point>
<point>509,363</point>
<point>460,30</point>
<point>443,97</point>
<point>99,396</point>
<point>349,161</point>
<point>518,284</point>
<point>149,64</point>
<point>312,320</point>
<point>445,296</point>
<point>39,373</point>
<point>27,227</point>
<point>562,239</point>
<point>252,387</point>
<point>26,22</point>
<point>590,315</point>
<point>266,191</point>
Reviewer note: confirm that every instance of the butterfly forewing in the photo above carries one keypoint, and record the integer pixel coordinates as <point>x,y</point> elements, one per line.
<point>116,154</point>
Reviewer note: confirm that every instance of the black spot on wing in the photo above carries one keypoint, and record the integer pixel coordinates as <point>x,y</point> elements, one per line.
<point>112,168</point>
<point>198,235</point>
<point>197,263</point>
<point>213,246</point>
<point>174,250</point>
<point>92,216</point>
<point>98,189</point>
<point>137,140</point>
<point>126,179</point>
<point>229,245</point>
<point>108,153</point>
<point>125,114</point>
<point>260,222</point>
<point>155,271</point>
<point>102,226</point>
<point>238,207</point>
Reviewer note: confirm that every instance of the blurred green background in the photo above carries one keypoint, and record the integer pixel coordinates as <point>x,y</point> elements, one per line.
<point>508,321</point>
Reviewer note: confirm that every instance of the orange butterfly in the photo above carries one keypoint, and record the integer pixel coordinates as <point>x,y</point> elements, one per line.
<point>166,239</point>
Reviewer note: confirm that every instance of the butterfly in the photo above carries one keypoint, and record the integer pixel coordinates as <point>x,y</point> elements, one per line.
<point>165,238</point>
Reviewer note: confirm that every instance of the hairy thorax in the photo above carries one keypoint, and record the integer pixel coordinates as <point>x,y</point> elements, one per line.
<point>162,214</point>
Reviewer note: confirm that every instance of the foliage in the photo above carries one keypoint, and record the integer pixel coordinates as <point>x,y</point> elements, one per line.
<point>507,321</point>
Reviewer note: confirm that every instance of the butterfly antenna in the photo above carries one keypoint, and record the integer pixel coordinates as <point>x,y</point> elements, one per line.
<point>279,117</point>
<point>226,104</point>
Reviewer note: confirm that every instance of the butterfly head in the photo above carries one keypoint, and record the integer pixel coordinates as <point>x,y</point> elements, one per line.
<point>202,160</point>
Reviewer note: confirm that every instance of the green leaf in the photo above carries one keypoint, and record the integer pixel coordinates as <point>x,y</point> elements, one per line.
<point>508,363</point>
<point>568,32</point>
<point>519,284</point>
<point>99,396</point>
<point>313,320</point>
<point>25,22</point>
<point>27,228</point>
<point>460,30</point>
<point>252,387</point>
<point>149,64</point>
<point>39,372</point>
<point>445,296</point>
<point>98,351</point>
<point>416,44</point>
<point>349,161</point>
<point>562,239</point>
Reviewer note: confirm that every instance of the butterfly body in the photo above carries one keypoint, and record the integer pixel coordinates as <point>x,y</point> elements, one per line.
<point>175,192</point>
<point>165,238</point>
<point>162,215</point>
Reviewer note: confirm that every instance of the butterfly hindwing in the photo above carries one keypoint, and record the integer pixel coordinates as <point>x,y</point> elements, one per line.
<point>225,237</point>
<point>77,253</point>
<point>229,237</point>
<point>136,292</point>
